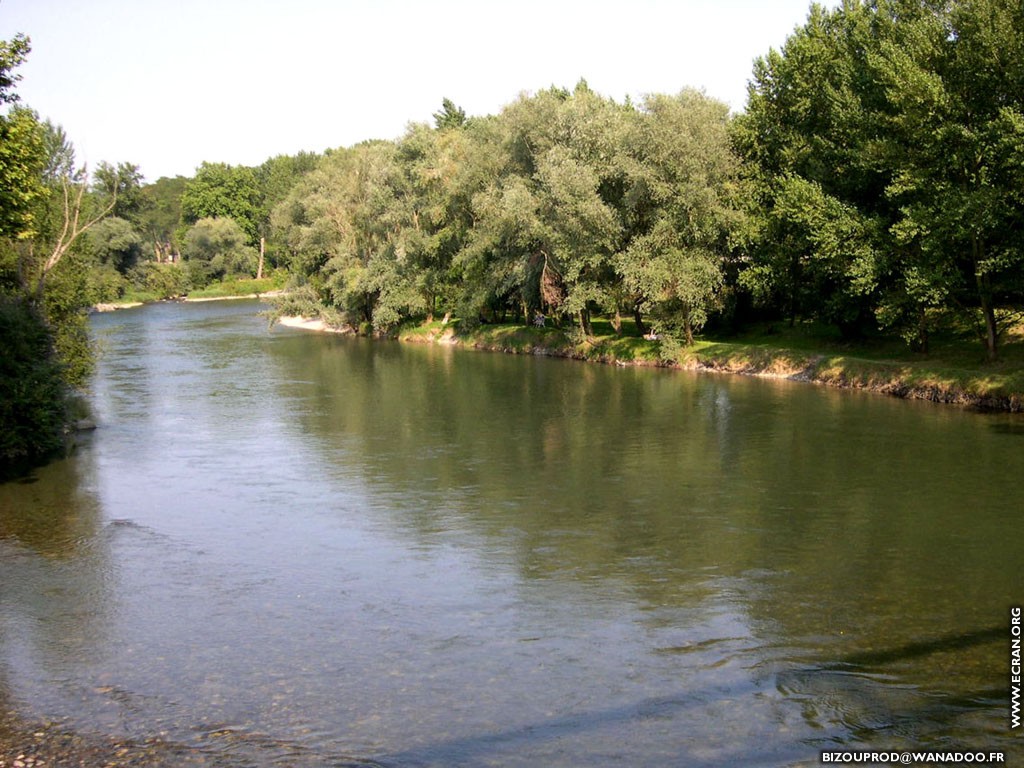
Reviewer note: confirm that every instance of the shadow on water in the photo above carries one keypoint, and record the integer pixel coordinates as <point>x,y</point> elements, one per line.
<point>1008,428</point>
<point>956,642</point>
<point>51,511</point>
<point>870,703</point>
<point>864,694</point>
<point>486,748</point>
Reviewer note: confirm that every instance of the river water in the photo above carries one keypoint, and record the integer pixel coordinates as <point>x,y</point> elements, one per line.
<point>295,549</point>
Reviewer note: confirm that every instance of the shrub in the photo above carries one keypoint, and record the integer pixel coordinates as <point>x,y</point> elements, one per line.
<point>33,396</point>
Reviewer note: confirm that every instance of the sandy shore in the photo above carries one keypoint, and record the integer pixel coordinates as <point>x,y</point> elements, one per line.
<point>115,307</point>
<point>307,324</point>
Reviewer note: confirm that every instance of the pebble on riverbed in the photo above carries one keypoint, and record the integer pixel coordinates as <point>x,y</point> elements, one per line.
<point>45,746</point>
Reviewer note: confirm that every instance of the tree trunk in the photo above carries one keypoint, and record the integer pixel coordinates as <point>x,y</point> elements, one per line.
<point>73,228</point>
<point>923,337</point>
<point>687,326</point>
<point>585,325</point>
<point>638,318</point>
<point>988,310</point>
<point>991,330</point>
<point>263,250</point>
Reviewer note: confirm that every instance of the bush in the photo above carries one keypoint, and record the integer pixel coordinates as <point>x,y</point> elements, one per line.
<point>33,396</point>
<point>215,248</point>
<point>164,281</point>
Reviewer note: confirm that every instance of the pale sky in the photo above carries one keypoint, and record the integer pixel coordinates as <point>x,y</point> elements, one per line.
<point>168,84</point>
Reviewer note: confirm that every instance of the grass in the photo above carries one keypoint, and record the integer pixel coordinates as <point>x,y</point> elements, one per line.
<point>238,287</point>
<point>231,288</point>
<point>954,371</point>
<point>137,296</point>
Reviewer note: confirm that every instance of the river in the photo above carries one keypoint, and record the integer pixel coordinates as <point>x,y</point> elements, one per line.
<point>297,549</point>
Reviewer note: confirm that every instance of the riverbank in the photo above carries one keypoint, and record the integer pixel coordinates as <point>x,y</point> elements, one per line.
<point>115,306</point>
<point>225,290</point>
<point>951,375</point>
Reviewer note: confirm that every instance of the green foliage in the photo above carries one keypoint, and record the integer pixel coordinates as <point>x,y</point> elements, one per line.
<point>33,402</point>
<point>65,303</point>
<point>680,211</point>
<point>450,116</point>
<point>123,184</point>
<point>537,210</point>
<point>116,243</point>
<point>885,165</point>
<point>873,182</point>
<point>21,147</point>
<point>152,280</point>
<point>45,281</point>
<point>159,216</point>
<point>215,248</point>
<point>21,157</point>
<point>224,191</point>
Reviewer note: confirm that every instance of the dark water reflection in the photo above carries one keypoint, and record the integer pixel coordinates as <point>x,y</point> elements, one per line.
<point>302,549</point>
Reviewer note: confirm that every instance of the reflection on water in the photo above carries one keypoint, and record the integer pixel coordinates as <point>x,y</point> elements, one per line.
<point>304,550</point>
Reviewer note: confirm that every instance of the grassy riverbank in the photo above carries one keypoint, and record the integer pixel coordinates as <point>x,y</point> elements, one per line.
<point>953,372</point>
<point>244,288</point>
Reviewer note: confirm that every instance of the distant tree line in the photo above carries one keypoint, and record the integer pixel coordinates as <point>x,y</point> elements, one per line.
<point>874,183</point>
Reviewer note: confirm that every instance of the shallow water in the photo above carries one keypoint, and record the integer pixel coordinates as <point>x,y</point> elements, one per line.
<point>299,549</point>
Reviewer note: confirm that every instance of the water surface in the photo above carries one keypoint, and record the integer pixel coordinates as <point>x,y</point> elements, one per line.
<point>299,549</point>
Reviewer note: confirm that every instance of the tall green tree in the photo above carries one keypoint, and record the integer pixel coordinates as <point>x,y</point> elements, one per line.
<point>682,206</point>
<point>159,216</point>
<point>954,82</point>
<point>44,350</point>
<point>547,224</point>
<point>219,190</point>
<point>885,146</point>
<point>816,189</point>
<point>123,184</point>
<point>116,243</point>
<point>450,116</point>
<point>22,152</point>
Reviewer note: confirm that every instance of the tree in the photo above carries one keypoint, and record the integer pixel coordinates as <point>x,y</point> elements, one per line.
<point>123,184</point>
<point>886,141</point>
<point>546,223</point>
<point>275,178</point>
<point>450,116</point>
<point>680,209</point>
<point>116,243</point>
<point>810,135</point>
<point>21,148</point>
<point>954,83</point>
<point>41,340</point>
<point>77,214</point>
<point>159,216</point>
<point>217,247</point>
<point>219,190</point>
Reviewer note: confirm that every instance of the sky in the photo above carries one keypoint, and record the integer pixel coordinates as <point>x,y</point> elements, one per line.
<point>169,84</point>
